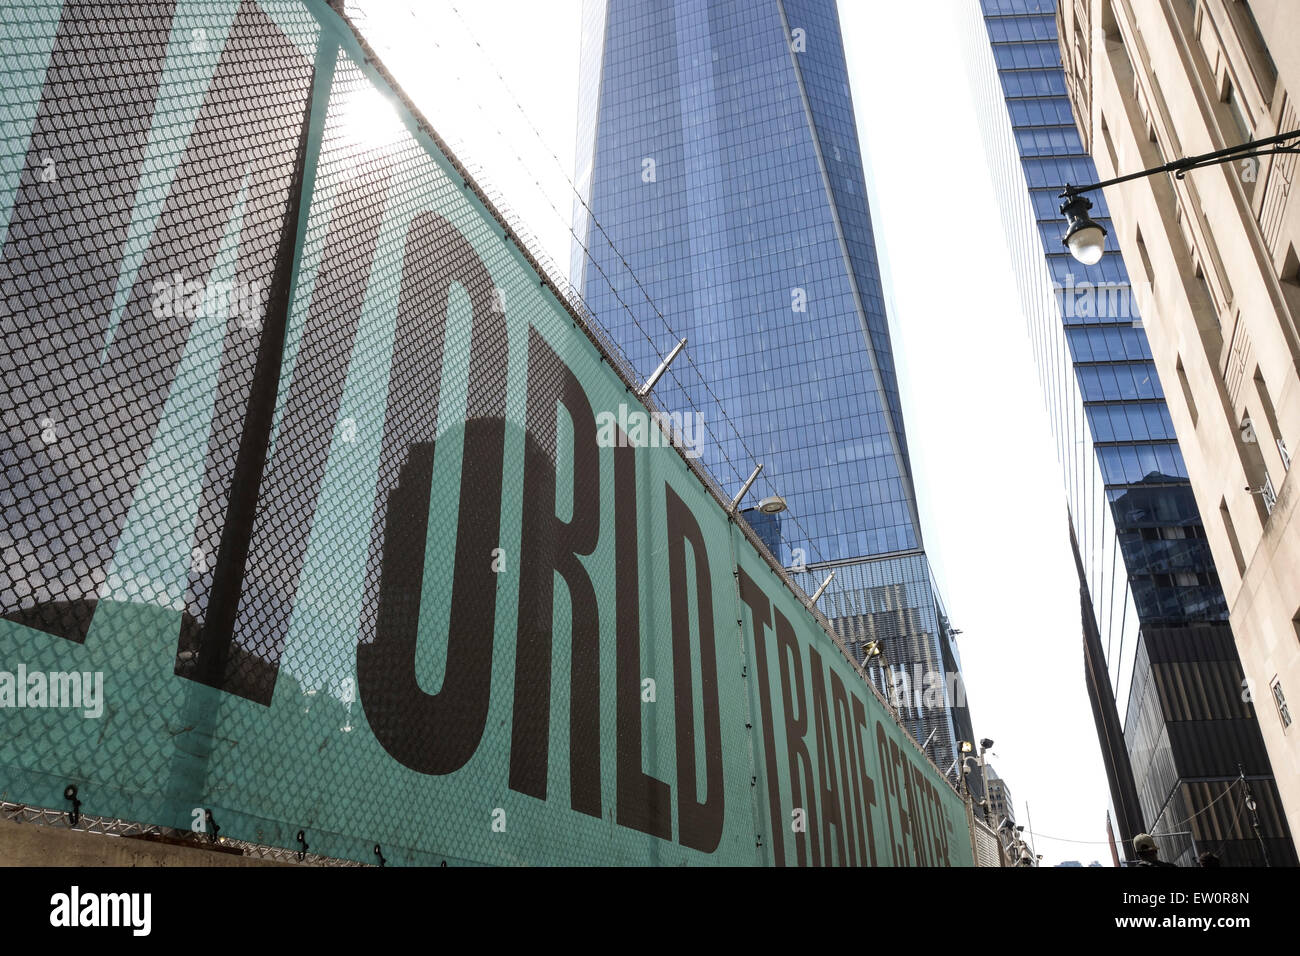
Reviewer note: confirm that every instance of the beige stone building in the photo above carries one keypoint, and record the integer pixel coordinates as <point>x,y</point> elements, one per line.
<point>1215,262</point>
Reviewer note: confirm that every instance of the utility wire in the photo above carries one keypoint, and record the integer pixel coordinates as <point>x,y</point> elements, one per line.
<point>1241,804</point>
<point>703,380</point>
<point>1044,836</point>
<point>1198,812</point>
<point>1165,832</point>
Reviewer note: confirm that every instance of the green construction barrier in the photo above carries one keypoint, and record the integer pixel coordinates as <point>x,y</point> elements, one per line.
<point>324,513</point>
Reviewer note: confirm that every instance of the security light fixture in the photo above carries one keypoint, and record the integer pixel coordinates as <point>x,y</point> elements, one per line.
<point>744,489</point>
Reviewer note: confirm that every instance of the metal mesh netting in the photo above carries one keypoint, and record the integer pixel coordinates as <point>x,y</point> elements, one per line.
<point>309,484</point>
<point>988,848</point>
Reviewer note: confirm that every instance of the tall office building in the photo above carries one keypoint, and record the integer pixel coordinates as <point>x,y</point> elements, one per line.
<point>1162,670</point>
<point>1152,83</point>
<point>718,156</point>
<point>1000,805</point>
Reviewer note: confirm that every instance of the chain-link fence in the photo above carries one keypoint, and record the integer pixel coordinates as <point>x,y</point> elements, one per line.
<point>326,517</point>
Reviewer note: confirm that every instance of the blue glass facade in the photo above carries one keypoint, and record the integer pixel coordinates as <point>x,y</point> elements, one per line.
<point>725,202</point>
<point>1166,680</point>
<point>1165,553</point>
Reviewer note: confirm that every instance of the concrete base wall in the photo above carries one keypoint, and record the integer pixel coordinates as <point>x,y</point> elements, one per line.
<point>33,844</point>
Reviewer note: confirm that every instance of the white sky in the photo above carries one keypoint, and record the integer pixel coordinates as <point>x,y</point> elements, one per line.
<point>991,493</point>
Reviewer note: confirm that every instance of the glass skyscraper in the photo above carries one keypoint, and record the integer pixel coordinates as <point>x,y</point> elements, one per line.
<point>724,201</point>
<point>1162,668</point>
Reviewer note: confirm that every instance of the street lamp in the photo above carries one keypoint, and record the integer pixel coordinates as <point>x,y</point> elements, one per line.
<point>1086,239</point>
<point>771,505</point>
<point>964,749</point>
<point>873,650</point>
<point>1009,839</point>
<point>985,744</point>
